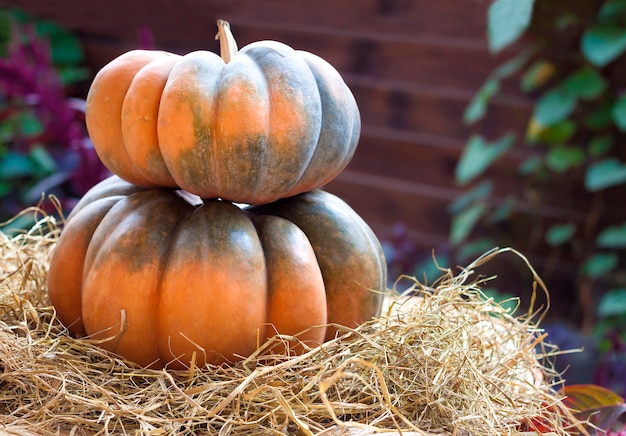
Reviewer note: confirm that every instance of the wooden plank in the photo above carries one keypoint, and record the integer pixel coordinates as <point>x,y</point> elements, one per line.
<point>444,17</point>
<point>389,106</point>
<point>451,18</point>
<point>120,21</point>
<point>410,162</point>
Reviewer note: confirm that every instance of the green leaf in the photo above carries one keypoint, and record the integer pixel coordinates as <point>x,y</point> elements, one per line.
<point>479,154</point>
<point>556,133</point>
<point>600,264</point>
<point>600,145</point>
<point>478,106</point>
<point>508,19</point>
<point>586,83</point>
<point>504,209</point>
<point>18,225</point>
<point>476,109</point>
<point>561,158</point>
<point>529,166</point>
<point>29,124</point>
<point>537,75</point>
<point>603,43</point>
<point>513,65</point>
<point>471,250</point>
<point>5,188</point>
<point>480,193</point>
<point>613,11</point>
<point>553,106</point>
<point>429,270</point>
<point>5,31</point>
<point>559,234</point>
<point>463,223</point>
<point>508,302</point>
<point>605,174</point>
<point>71,75</point>
<point>566,20</point>
<point>66,49</point>
<point>595,404</point>
<point>619,113</point>
<point>599,119</point>
<point>44,163</point>
<point>613,303</point>
<point>612,237</point>
<point>14,165</point>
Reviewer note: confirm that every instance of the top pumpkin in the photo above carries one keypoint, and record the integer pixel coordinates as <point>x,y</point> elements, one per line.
<point>252,126</point>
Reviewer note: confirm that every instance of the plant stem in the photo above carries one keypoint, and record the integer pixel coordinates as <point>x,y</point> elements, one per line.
<point>228,45</point>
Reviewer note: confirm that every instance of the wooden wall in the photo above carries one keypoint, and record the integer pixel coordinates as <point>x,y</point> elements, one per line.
<point>413,66</point>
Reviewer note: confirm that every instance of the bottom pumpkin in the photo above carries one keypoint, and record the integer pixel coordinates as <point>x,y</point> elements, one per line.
<point>163,279</point>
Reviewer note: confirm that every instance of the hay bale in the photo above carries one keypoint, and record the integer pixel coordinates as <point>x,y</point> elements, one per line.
<point>449,361</point>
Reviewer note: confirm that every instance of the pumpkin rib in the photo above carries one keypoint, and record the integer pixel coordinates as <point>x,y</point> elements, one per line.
<point>139,114</point>
<point>172,237</point>
<point>296,293</point>
<point>295,116</point>
<point>111,186</point>
<point>216,162</point>
<point>65,277</point>
<point>343,257</point>
<point>185,127</point>
<point>232,310</point>
<point>242,106</point>
<point>103,112</point>
<point>341,123</point>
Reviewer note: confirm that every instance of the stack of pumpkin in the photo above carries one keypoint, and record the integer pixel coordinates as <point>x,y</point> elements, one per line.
<point>162,263</point>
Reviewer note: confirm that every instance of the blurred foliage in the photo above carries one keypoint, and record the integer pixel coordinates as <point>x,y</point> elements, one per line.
<point>572,65</point>
<point>44,146</point>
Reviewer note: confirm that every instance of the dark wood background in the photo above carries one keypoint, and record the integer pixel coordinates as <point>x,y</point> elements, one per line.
<point>413,66</point>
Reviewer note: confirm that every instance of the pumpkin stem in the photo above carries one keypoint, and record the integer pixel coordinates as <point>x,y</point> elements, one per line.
<point>228,45</point>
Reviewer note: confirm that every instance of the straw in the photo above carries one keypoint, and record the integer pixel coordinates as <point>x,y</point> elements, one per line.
<point>442,359</point>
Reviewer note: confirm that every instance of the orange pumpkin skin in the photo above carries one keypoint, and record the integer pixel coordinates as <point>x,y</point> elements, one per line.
<point>349,254</point>
<point>103,107</point>
<point>271,123</point>
<point>163,282</point>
